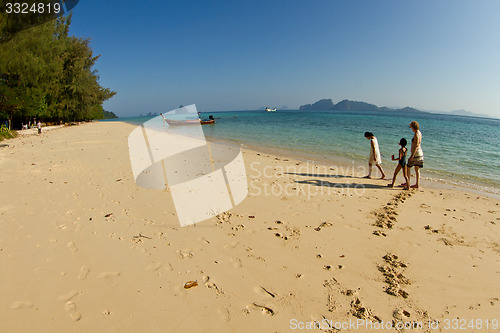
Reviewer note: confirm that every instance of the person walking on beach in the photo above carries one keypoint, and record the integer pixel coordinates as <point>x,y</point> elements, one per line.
<point>401,163</point>
<point>375,157</point>
<point>164,120</point>
<point>416,158</point>
<point>39,126</point>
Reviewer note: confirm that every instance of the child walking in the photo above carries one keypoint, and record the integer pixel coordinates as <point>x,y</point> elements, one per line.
<point>375,157</point>
<point>401,164</point>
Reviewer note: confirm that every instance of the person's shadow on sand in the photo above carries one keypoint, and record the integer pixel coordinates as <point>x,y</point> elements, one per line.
<point>325,183</point>
<point>317,182</point>
<point>316,175</point>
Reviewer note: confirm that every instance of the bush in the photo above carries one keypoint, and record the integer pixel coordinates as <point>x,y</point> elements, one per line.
<point>6,134</point>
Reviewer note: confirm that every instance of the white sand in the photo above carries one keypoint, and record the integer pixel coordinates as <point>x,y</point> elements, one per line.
<point>83,249</point>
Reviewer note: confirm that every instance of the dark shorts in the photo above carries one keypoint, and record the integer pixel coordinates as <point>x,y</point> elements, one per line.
<point>416,161</point>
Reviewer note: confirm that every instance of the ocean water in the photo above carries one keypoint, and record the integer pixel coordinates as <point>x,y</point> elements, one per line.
<point>458,150</point>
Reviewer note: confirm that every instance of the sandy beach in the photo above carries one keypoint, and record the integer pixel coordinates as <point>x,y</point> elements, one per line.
<point>312,248</point>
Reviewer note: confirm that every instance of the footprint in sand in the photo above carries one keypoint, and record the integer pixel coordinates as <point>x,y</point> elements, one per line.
<point>264,309</point>
<point>110,277</point>
<point>106,275</point>
<point>185,253</point>
<point>62,226</point>
<point>238,227</point>
<point>232,245</point>
<point>154,267</point>
<point>401,315</point>
<point>213,286</point>
<point>72,247</point>
<point>224,314</point>
<point>84,272</point>
<point>323,225</point>
<point>21,305</point>
<point>203,240</point>
<point>68,296</point>
<point>264,292</point>
<point>70,308</point>
<point>236,262</point>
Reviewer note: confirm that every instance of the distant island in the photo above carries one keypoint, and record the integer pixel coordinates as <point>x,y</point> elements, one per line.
<point>152,114</point>
<point>347,105</point>
<point>465,113</point>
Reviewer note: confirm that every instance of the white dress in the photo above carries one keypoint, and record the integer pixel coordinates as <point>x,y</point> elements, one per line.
<point>375,159</point>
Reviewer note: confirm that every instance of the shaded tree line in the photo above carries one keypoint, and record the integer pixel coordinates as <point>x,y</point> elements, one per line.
<point>48,75</point>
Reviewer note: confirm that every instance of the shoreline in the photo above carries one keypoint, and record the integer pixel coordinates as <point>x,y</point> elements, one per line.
<point>439,176</point>
<point>345,163</point>
<point>336,161</point>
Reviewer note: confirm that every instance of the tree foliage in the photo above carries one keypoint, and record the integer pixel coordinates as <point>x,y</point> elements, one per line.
<point>48,75</point>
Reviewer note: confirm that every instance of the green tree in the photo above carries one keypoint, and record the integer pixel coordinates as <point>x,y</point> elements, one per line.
<point>48,75</point>
<point>80,90</point>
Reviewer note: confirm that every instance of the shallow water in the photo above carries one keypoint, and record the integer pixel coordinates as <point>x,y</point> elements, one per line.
<point>460,150</point>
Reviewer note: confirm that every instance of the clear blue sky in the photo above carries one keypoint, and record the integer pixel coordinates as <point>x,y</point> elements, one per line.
<point>240,55</point>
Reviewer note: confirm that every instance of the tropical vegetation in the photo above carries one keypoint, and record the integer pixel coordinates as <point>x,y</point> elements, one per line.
<point>47,75</point>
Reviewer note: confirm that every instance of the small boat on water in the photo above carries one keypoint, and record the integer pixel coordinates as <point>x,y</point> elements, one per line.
<point>270,110</point>
<point>172,122</point>
<point>187,120</point>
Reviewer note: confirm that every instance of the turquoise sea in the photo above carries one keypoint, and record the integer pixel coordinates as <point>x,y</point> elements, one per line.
<point>458,150</point>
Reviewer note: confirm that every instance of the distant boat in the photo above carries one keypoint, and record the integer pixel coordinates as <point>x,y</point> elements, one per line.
<point>270,110</point>
<point>172,122</point>
<point>188,120</point>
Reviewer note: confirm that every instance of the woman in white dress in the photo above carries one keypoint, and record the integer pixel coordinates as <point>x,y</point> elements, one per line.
<point>375,157</point>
